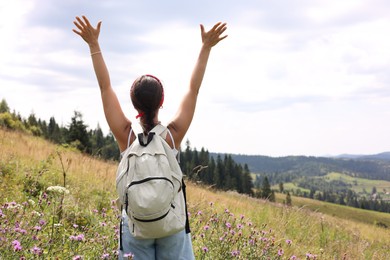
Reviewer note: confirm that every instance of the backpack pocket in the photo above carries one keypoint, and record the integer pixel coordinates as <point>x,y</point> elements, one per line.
<point>149,199</point>
<point>170,223</point>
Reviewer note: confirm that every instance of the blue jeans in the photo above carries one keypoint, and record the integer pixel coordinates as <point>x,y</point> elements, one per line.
<point>177,246</point>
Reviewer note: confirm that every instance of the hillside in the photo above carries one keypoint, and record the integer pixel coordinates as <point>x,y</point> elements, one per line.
<point>360,181</point>
<point>80,220</point>
<point>375,167</point>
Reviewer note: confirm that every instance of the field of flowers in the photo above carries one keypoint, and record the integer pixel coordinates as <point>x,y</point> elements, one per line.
<point>48,227</point>
<point>59,204</point>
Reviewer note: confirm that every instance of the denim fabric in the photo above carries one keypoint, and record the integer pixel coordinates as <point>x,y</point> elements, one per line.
<point>177,246</point>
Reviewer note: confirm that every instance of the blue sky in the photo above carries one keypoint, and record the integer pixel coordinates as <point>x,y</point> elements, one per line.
<point>292,78</point>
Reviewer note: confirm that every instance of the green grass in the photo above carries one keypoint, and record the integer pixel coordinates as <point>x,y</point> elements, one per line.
<point>37,223</point>
<point>360,184</point>
<point>344,212</point>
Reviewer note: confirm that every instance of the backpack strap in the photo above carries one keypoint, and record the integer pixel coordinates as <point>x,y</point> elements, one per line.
<point>159,130</point>
<point>128,139</point>
<point>162,131</point>
<point>174,146</point>
<point>173,141</point>
<point>142,141</point>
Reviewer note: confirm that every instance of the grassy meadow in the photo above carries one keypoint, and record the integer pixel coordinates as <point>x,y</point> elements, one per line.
<point>359,184</point>
<point>57,203</point>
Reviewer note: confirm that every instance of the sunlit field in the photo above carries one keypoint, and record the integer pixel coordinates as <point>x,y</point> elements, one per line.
<point>59,204</point>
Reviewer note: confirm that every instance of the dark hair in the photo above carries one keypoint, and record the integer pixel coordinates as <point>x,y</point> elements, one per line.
<point>147,96</point>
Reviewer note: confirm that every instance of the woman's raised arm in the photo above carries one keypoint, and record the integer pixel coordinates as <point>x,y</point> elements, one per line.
<point>119,124</point>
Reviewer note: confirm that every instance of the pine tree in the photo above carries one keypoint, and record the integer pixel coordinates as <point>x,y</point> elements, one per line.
<point>4,108</point>
<point>78,134</point>
<point>281,187</point>
<point>266,191</point>
<point>53,131</point>
<point>288,199</point>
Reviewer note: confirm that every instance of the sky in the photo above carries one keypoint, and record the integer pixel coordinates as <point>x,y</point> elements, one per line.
<point>293,77</point>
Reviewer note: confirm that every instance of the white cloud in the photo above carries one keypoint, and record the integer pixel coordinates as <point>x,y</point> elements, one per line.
<point>296,77</point>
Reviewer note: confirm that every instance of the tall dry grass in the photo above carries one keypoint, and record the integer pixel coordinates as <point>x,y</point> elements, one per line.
<point>288,231</point>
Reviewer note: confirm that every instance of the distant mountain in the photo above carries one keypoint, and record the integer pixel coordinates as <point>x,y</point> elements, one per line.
<point>376,167</point>
<point>379,156</point>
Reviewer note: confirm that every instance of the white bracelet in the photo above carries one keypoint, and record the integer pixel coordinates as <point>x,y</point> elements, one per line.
<point>93,53</point>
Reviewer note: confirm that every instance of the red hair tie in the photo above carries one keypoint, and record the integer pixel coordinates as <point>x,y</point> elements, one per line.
<point>140,115</point>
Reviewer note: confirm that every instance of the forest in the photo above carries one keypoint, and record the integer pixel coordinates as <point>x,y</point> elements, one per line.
<point>309,177</point>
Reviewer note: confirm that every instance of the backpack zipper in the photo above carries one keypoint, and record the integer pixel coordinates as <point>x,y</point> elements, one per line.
<point>149,179</point>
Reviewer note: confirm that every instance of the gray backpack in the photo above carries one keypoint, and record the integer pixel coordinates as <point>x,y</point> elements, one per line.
<point>149,184</point>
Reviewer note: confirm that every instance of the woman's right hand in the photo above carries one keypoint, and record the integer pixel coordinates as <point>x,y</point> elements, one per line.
<point>214,35</point>
<point>89,34</point>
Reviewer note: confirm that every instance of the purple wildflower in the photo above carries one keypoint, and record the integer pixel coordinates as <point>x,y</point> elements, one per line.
<point>228,225</point>
<point>36,250</point>
<point>235,253</point>
<point>129,255</point>
<point>288,241</point>
<point>207,227</point>
<point>37,228</point>
<point>106,256</point>
<point>20,230</point>
<point>80,237</point>
<point>42,222</point>
<point>311,256</point>
<point>280,252</point>
<point>77,257</point>
<point>205,249</point>
<point>17,246</point>
<point>77,238</point>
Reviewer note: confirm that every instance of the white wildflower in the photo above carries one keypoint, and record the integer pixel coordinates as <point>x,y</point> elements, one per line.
<point>15,206</point>
<point>36,213</point>
<point>31,202</point>
<point>58,189</point>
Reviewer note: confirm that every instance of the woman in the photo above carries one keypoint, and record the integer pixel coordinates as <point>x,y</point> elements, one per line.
<point>147,96</point>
